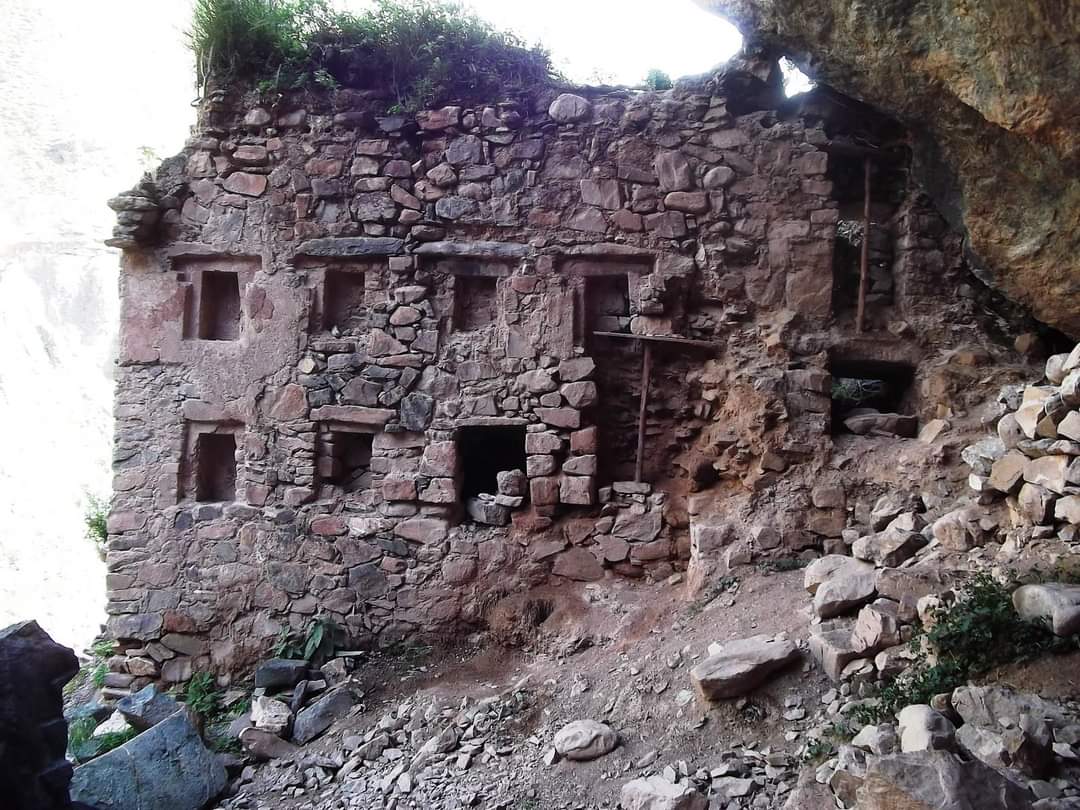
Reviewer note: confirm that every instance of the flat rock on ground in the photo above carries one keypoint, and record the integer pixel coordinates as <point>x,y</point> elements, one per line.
<point>657,793</point>
<point>739,666</point>
<point>585,740</point>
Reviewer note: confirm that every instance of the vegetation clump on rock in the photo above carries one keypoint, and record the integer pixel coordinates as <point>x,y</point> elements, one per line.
<point>423,53</point>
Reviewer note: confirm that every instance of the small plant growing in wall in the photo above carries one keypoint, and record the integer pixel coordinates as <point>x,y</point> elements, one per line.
<point>316,644</point>
<point>95,519</point>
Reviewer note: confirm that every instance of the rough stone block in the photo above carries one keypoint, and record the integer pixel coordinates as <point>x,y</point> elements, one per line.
<point>578,490</point>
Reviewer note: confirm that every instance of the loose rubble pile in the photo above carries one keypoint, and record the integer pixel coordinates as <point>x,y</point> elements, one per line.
<point>987,748</point>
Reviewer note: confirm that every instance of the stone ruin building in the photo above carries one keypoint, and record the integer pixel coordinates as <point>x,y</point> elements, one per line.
<point>392,370</point>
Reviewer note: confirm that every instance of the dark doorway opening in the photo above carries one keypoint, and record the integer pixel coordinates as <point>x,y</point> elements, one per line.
<point>871,385</point>
<point>476,302</point>
<point>343,300</point>
<point>345,459</point>
<point>485,451</point>
<point>219,306</point>
<point>215,467</point>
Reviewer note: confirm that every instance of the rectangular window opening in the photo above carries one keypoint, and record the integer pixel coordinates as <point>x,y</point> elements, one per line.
<point>476,302</point>
<point>485,451</point>
<point>215,467</point>
<point>872,397</point>
<point>345,459</point>
<point>219,305</point>
<point>343,301</point>
<point>607,303</point>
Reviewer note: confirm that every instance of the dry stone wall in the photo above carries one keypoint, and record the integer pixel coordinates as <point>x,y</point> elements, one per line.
<point>360,376</point>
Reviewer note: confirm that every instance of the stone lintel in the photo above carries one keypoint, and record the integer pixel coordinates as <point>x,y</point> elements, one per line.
<point>198,250</point>
<point>477,250</point>
<point>491,421</point>
<point>353,415</point>
<point>346,246</point>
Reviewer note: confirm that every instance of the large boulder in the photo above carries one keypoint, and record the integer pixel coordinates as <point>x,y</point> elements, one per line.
<point>165,767</point>
<point>1056,603</point>
<point>657,793</point>
<point>736,667</point>
<point>847,588</point>
<point>585,739</point>
<point>928,780</point>
<point>320,715</point>
<point>34,774</point>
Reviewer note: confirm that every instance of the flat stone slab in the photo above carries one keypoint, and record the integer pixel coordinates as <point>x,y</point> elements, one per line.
<point>320,715</point>
<point>491,250</point>
<point>657,793</point>
<point>165,767</point>
<point>352,246</point>
<point>280,673</point>
<point>737,667</point>
<point>147,707</point>
<point>846,588</point>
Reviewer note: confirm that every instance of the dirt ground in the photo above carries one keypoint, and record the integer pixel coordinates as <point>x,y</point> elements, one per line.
<point>620,653</point>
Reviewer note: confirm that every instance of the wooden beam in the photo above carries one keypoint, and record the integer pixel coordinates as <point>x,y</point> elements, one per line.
<point>864,257</point>
<point>843,149</point>
<point>681,341</point>
<point>646,373</point>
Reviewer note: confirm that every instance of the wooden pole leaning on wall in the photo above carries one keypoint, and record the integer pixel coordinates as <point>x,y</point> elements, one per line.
<point>643,405</point>
<point>864,257</point>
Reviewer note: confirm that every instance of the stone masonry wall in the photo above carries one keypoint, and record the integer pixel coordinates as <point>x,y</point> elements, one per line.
<point>336,321</point>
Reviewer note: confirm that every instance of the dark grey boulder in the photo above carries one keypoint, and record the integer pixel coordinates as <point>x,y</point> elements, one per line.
<point>280,673</point>
<point>320,715</point>
<point>165,767</point>
<point>33,669</point>
<point>147,707</point>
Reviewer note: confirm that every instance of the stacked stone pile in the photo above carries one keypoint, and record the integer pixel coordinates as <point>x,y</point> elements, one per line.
<point>1035,459</point>
<point>292,702</point>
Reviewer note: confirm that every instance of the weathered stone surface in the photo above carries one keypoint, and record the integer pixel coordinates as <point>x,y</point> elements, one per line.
<point>34,774</point>
<point>568,108</point>
<point>280,673</point>
<point>147,707</point>
<point>994,111</point>
<point>270,715</point>
<point>847,588</point>
<point>657,793</point>
<point>166,766</point>
<point>922,728</point>
<point>585,739</point>
<point>933,779</point>
<point>346,246</point>
<point>739,666</point>
<point>1055,603</point>
<point>313,720</point>
<point>579,564</point>
<point>263,745</point>
<point>673,171</point>
<point>888,548</point>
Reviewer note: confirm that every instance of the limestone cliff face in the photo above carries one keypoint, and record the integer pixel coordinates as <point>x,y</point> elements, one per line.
<point>991,92</point>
